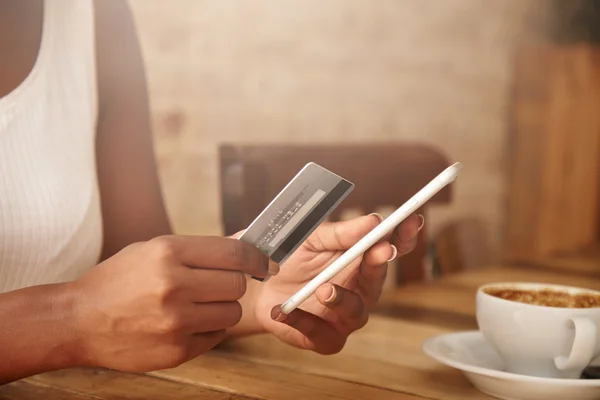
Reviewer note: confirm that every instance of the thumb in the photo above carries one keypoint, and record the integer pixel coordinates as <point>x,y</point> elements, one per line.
<point>237,234</point>
<point>342,235</point>
<point>273,266</point>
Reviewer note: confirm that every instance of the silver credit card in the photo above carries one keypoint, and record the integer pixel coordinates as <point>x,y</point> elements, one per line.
<point>296,212</point>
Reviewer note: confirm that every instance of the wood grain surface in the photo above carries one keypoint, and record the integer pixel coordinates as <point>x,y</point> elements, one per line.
<point>554,148</point>
<point>384,360</point>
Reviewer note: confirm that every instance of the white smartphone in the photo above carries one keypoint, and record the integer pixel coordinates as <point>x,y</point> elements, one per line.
<point>386,226</point>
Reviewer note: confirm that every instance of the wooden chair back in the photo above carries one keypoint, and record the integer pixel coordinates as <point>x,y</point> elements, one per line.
<point>462,244</point>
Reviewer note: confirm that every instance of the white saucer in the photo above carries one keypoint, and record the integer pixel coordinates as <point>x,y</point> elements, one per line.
<point>470,353</point>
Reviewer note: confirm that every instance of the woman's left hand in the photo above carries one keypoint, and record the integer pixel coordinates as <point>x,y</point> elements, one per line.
<point>338,308</point>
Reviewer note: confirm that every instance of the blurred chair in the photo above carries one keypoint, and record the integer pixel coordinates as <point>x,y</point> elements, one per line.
<point>385,175</point>
<point>461,244</point>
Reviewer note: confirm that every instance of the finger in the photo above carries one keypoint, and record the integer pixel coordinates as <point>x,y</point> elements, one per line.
<point>376,258</point>
<point>342,235</point>
<point>202,342</point>
<point>208,317</point>
<point>273,266</point>
<point>388,236</point>
<point>237,234</point>
<point>373,264</point>
<point>373,271</point>
<point>405,237</point>
<point>214,253</point>
<point>380,254</point>
<point>212,285</point>
<point>348,306</point>
<point>319,335</point>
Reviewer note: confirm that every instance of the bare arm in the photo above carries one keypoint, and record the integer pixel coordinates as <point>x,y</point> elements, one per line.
<point>132,205</point>
<point>38,332</point>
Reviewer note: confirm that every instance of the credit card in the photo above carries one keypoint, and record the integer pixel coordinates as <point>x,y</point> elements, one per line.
<point>296,212</point>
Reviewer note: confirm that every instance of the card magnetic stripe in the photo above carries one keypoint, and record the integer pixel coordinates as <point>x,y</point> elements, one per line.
<point>310,222</point>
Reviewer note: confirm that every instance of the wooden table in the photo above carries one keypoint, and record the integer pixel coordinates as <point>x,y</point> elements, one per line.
<point>382,361</point>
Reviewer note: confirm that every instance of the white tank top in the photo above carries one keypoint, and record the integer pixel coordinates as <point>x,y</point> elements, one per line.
<point>50,219</point>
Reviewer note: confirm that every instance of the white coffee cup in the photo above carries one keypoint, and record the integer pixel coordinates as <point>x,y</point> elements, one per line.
<point>537,340</point>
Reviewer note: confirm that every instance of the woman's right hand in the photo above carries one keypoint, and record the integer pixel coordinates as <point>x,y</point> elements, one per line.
<point>157,304</point>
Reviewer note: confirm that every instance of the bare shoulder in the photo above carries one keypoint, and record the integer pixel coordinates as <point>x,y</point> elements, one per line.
<point>118,51</point>
<point>115,26</point>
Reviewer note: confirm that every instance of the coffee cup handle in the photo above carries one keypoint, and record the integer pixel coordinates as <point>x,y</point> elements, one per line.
<point>583,346</point>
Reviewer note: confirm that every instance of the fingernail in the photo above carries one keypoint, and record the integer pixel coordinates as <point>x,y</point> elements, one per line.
<point>422,222</point>
<point>277,315</point>
<point>273,268</point>
<point>394,253</point>
<point>237,234</point>
<point>379,216</point>
<point>332,296</point>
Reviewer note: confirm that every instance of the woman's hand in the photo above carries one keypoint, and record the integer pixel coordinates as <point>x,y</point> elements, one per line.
<point>157,304</point>
<point>324,321</point>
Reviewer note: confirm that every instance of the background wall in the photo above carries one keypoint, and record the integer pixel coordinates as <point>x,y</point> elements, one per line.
<point>308,71</point>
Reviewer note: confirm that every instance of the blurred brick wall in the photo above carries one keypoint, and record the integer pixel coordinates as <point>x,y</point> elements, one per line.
<point>311,71</point>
